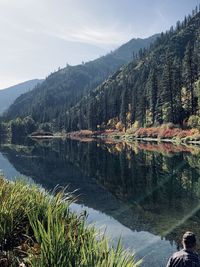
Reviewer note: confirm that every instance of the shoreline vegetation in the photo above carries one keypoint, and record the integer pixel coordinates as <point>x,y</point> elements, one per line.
<point>38,229</point>
<point>163,134</point>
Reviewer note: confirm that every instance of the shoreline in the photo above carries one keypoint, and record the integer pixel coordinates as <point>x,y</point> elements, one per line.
<point>118,136</point>
<point>182,138</point>
<point>158,140</point>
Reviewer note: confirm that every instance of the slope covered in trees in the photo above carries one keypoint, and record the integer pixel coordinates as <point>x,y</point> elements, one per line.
<point>8,95</point>
<point>64,88</point>
<point>160,85</point>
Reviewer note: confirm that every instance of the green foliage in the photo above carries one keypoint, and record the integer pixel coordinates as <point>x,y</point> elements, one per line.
<point>190,73</point>
<point>46,127</point>
<point>4,129</point>
<point>49,233</point>
<point>22,127</point>
<point>197,90</point>
<point>124,107</point>
<point>194,121</point>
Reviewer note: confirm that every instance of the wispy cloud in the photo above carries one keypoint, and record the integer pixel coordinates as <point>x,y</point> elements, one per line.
<point>38,36</point>
<point>161,17</point>
<point>91,35</point>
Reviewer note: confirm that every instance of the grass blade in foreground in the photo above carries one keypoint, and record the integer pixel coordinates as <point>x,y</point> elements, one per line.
<point>40,230</point>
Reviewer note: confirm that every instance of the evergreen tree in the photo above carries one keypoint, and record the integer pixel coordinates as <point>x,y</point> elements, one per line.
<point>153,92</point>
<point>80,118</point>
<point>177,87</point>
<point>92,115</point>
<point>105,106</point>
<point>159,110</point>
<point>190,74</point>
<point>167,93</point>
<point>142,107</point>
<point>124,106</point>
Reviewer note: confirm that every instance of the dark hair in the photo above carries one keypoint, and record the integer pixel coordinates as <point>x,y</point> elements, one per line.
<point>189,239</point>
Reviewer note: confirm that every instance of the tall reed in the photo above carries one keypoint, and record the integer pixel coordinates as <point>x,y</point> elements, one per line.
<point>39,230</point>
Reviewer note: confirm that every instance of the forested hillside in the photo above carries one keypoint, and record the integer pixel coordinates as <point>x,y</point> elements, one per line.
<point>8,95</point>
<point>64,88</point>
<point>160,85</point>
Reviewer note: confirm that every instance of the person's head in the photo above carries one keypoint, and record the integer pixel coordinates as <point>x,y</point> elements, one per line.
<point>189,240</point>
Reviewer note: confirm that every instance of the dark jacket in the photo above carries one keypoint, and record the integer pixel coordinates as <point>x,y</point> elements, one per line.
<point>184,258</point>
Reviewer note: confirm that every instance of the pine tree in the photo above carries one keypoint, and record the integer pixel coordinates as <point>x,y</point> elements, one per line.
<point>153,93</point>
<point>133,99</point>
<point>190,74</point>
<point>177,87</point>
<point>167,93</point>
<point>92,115</point>
<point>159,110</point>
<point>142,107</point>
<point>80,117</point>
<point>105,106</point>
<point>124,106</point>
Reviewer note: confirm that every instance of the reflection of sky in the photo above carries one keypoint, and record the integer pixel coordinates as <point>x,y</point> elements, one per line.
<point>7,169</point>
<point>152,248</point>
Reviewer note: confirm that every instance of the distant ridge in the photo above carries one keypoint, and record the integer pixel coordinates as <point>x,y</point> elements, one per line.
<point>64,88</point>
<point>8,95</point>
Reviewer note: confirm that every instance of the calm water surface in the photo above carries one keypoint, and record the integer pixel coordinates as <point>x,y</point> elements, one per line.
<point>148,194</point>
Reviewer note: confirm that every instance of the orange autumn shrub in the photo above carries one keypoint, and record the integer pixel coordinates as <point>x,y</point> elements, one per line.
<point>141,132</point>
<point>165,132</point>
<point>152,132</point>
<point>185,133</point>
<point>169,133</point>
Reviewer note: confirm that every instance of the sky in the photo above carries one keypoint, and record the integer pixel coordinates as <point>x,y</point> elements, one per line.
<point>39,36</point>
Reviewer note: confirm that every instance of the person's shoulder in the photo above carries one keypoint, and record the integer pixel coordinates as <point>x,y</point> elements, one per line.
<point>186,255</point>
<point>181,257</point>
<point>179,254</point>
<point>176,258</point>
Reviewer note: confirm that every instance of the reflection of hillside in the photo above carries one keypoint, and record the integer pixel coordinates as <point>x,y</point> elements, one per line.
<point>165,148</point>
<point>142,190</point>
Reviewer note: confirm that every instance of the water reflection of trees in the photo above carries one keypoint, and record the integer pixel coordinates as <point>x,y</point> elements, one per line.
<point>143,177</point>
<point>156,191</point>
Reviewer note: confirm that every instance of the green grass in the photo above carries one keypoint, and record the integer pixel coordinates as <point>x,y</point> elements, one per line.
<point>39,230</point>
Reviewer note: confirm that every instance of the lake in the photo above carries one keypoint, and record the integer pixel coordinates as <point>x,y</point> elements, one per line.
<point>147,194</point>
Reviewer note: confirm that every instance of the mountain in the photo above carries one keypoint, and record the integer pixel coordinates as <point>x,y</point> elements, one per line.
<point>64,88</point>
<point>8,95</point>
<point>161,85</point>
